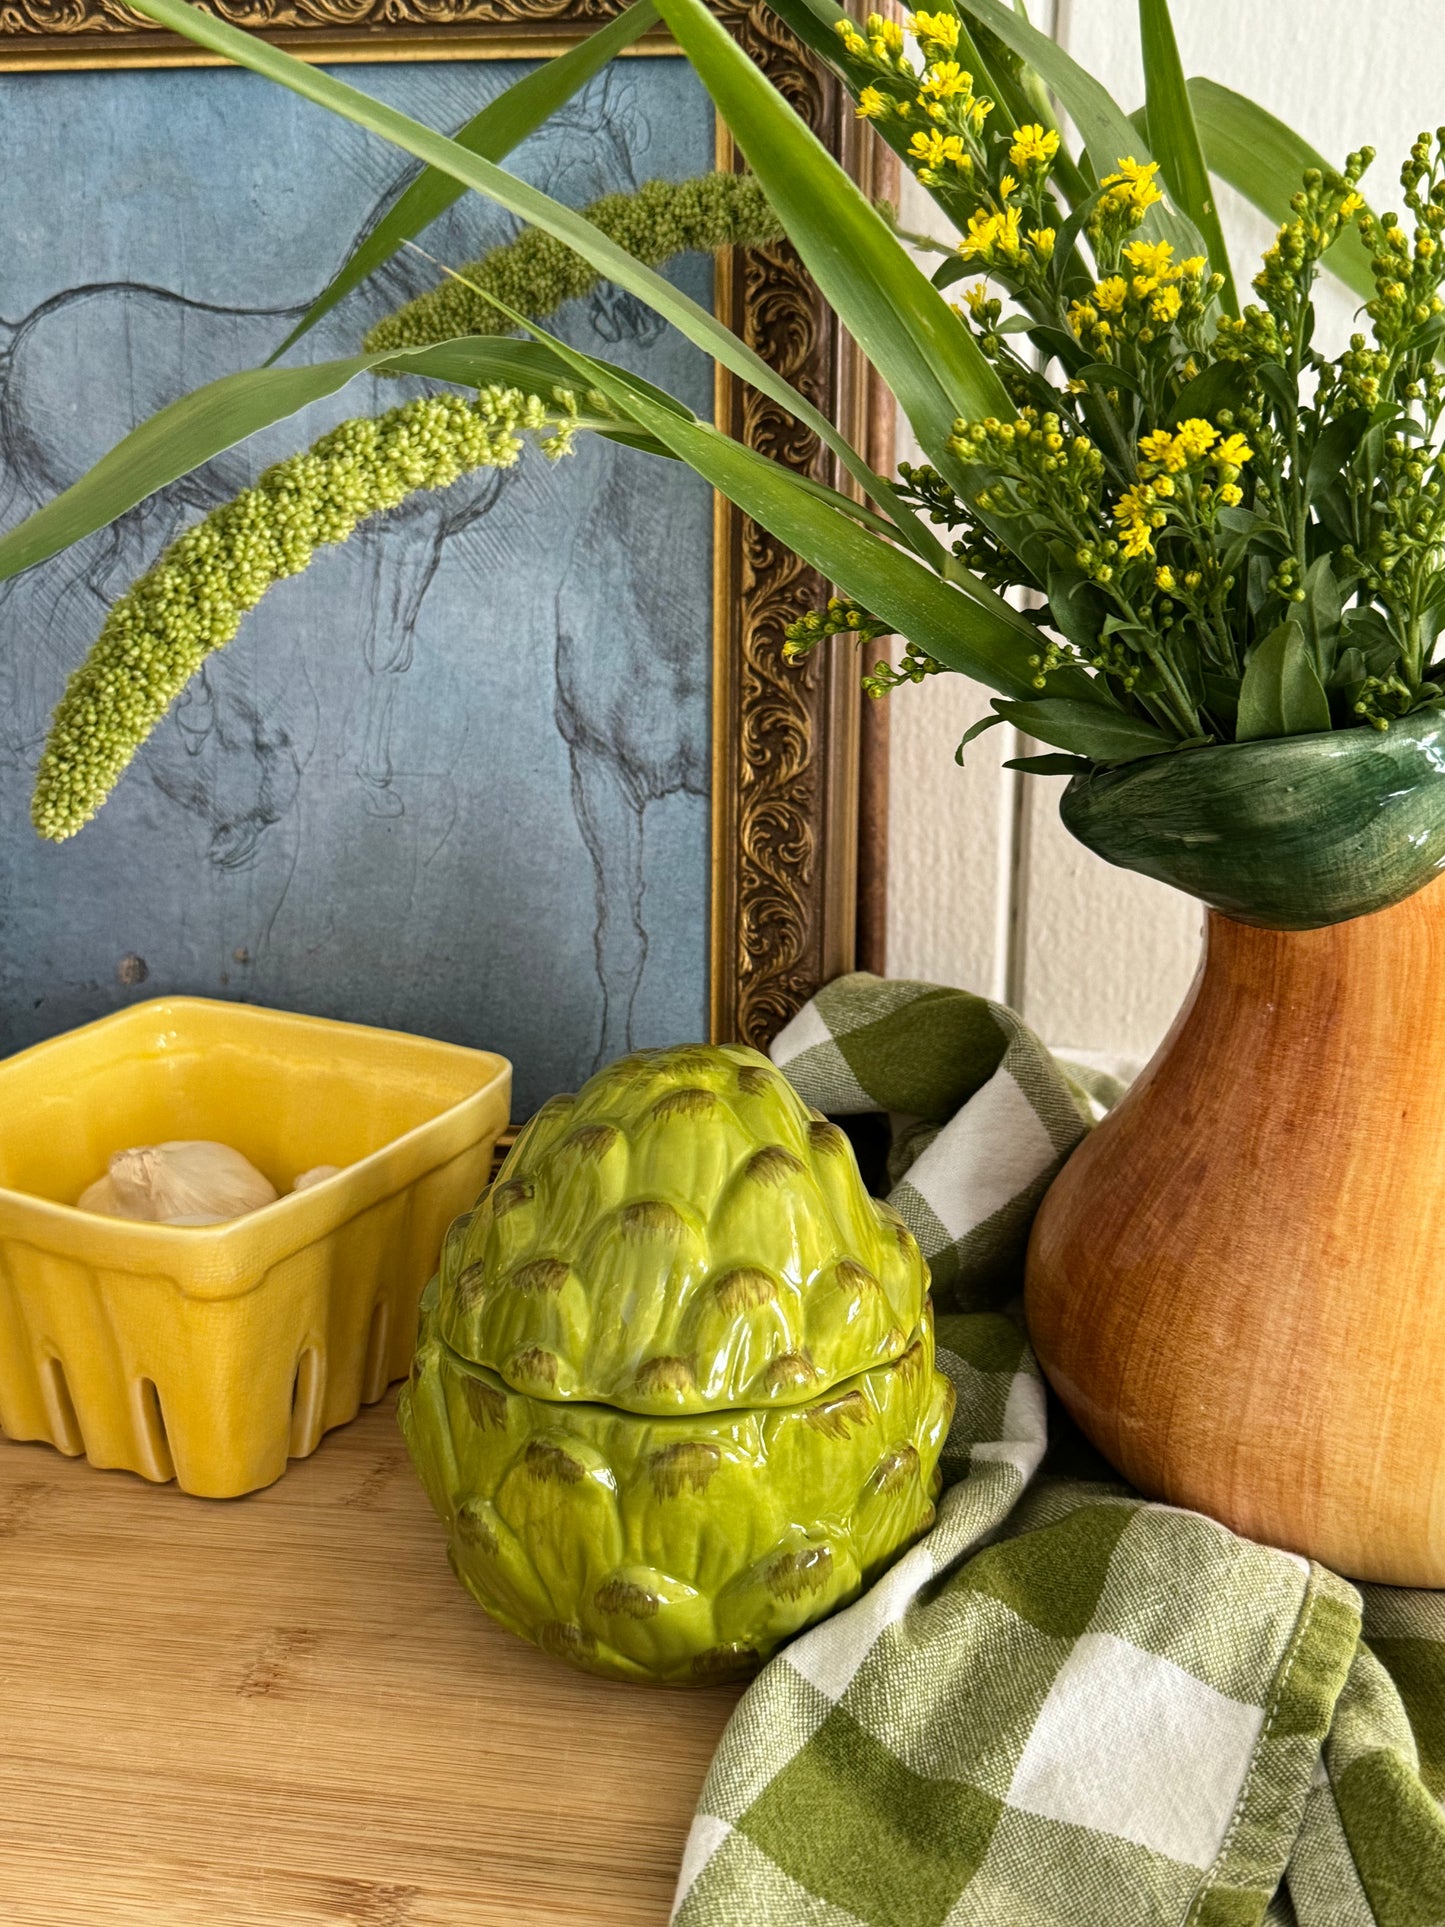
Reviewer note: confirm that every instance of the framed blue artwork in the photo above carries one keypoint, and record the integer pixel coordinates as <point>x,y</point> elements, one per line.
<point>519,766</point>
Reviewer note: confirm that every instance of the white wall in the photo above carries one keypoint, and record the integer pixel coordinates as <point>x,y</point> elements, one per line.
<point>985,887</point>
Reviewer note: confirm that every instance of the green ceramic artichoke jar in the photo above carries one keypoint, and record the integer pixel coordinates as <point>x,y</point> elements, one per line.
<point>675,1395</point>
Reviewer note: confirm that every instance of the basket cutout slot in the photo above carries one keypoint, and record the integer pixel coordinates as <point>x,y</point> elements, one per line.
<point>374,1379</point>
<point>306,1403</point>
<point>155,1441</point>
<point>65,1430</point>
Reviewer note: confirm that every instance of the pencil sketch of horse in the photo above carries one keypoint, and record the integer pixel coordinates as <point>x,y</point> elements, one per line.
<point>626,688</point>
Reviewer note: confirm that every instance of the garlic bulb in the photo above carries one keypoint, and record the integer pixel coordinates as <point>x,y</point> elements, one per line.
<point>189,1181</point>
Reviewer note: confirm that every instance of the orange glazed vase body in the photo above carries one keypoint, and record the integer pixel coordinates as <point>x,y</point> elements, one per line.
<point>1237,1283</point>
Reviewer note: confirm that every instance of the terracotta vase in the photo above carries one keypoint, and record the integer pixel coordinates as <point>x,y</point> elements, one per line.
<point>1237,1283</point>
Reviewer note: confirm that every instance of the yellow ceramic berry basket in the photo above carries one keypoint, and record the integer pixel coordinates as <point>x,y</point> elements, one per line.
<point>211,1354</point>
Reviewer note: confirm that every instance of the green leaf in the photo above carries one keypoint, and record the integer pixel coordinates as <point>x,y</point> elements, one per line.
<point>1055,764</point>
<point>693,320</point>
<point>1281,694</point>
<point>1109,134</point>
<point>1281,386</point>
<point>493,133</point>
<point>201,425</point>
<point>1104,127</point>
<point>978,635</point>
<point>1333,448</point>
<point>1087,729</point>
<point>1222,385</point>
<point>1175,138</point>
<point>1221,694</point>
<point>907,330</point>
<point>973,732</point>
<point>1076,609</point>
<point>1320,614</point>
<point>1266,161</point>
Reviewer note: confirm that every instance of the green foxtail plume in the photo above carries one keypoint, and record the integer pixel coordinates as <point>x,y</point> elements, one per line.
<point>191,602</point>
<point>536,274</point>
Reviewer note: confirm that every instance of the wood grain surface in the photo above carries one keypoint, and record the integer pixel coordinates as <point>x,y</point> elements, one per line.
<point>283,1711</point>
<point>1237,1284</point>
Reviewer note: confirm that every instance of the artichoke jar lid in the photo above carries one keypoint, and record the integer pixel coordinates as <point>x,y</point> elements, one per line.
<point>1291,833</point>
<point>684,1235</point>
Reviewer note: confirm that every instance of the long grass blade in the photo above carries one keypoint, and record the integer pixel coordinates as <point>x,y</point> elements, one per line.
<point>204,424</point>
<point>907,330</point>
<point>1108,133</point>
<point>493,133</point>
<point>1103,125</point>
<point>530,204</point>
<point>1265,161</point>
<point>1175,138</point>
<point>979,635</point>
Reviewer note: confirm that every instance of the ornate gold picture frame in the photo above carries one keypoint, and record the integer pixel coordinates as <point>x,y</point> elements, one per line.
<point>790,755</point>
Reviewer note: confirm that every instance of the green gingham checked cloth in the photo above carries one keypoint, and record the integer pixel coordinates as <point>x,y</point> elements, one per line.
<point>1063,1707</point>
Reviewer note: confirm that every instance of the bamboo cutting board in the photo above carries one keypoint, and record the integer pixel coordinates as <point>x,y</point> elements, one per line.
<point>283,1711</point>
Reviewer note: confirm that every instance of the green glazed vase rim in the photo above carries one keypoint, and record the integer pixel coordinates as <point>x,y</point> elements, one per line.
<point>1290,833</point>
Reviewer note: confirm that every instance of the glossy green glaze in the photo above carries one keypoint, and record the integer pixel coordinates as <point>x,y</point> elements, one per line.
<point>684,1235</point>
<point>677,1550</point>
<point>1290,834</point>
<point>675,1395</point>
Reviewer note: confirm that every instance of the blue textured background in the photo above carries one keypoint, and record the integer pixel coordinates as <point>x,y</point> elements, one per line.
<point>454,779</point>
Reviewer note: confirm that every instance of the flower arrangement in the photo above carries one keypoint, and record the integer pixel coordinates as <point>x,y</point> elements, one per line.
<point>1223,533</point>
<point>1237,535</point>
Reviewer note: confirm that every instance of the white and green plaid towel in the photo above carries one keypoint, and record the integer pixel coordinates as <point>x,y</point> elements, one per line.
<point>1063,1707</point>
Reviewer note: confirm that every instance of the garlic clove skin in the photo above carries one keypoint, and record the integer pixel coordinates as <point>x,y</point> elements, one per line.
<point>190,1179</point>
<point>100,1197</point>
<point>318,1174</point>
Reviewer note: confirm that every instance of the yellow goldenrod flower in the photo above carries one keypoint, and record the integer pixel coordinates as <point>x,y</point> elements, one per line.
<point>1233,452</point>
<point>1041,239</point>
<point>1081,316</point>
<point>934,149</point>
<point>853,41</point>
<point>1164,579</point>
<point>1032,147</point>
<point>1194,266</point>
<point>872,105</point>
<point>1007,186</point>
<point>945,79</point>
<point>1111,294</point>
<point>1138,515</point>
<point>1134,504</point>
<point>1152,258</point>
<point>1231,495</point>
<point>1195,438</point>
<point>1133,186</point>
<point>976,296</point>
<point>1156,446</point>
<point>936,29</point>
<point>1133,173</point>
<point>1165,306</point>
<point>1142,286</point>
<point>1136,540</point>
<point>990,234</point>
<point>979,109</point>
